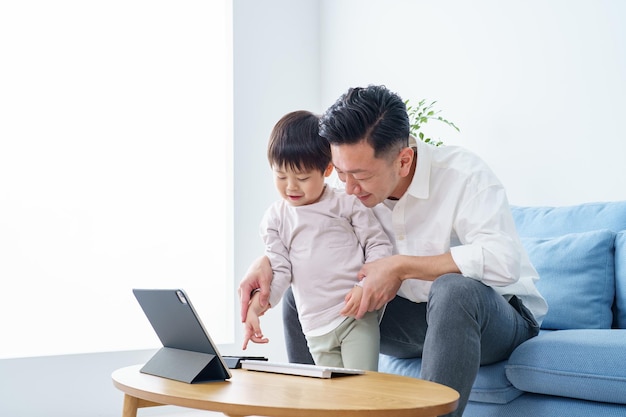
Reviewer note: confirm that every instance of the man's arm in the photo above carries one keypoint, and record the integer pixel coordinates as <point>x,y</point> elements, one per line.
<point>384,276</point>
<point>258,277</point>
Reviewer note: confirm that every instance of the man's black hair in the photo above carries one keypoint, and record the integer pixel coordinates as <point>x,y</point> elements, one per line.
<point>373,114</point>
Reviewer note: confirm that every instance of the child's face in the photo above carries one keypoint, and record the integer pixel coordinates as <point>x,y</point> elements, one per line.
<point>299,188</point>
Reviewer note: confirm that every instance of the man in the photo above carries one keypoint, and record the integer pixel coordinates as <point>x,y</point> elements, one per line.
<point>459,288</point>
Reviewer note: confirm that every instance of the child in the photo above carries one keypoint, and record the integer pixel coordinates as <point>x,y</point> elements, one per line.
<point>317,238</point>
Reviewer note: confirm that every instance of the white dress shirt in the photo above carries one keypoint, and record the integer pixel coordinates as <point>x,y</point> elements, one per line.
<point>319,249</point>
<point>456,204</point>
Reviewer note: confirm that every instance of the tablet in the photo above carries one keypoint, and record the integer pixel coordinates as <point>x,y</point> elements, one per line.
<point>188,353</point>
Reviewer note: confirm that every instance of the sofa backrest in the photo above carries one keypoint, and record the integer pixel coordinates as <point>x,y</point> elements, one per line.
<point>580,254</point>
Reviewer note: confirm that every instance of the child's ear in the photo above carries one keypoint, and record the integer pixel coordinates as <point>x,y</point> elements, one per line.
<point>329,170</point>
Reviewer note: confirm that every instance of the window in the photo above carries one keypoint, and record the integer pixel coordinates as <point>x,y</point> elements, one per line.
<point>115,169</point>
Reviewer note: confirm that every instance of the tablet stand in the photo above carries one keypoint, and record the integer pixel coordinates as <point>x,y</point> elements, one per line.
<point>185,366</point>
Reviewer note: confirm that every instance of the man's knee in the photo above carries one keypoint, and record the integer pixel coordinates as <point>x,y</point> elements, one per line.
<point>454,286</point>
<point>455,291</point>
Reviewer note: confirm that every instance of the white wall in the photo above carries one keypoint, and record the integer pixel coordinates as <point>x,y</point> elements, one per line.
<point>276,70</point>
<point>109,117</point>
<point>277,63</point>
<point>538,87</point>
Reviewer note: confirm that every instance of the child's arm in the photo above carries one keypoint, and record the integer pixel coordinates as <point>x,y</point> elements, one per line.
<point>252,326</point>
<point>370,233</point>
<point>277,252</point>
<point>376,245</point>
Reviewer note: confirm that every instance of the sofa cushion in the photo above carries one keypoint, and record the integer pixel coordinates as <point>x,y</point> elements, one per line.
<point>584,364</point>
<point>620,281</point>
<point>577,278</point>
<point>557,221</point>
<point>537,405</point>
<point>490,386</point>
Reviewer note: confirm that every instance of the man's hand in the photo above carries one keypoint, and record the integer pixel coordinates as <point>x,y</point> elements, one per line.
<point>381,285</point>
<point>258,277</point>
<point>384,276</point>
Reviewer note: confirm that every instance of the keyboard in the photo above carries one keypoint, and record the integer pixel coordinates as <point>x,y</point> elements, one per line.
<point>316,371</point>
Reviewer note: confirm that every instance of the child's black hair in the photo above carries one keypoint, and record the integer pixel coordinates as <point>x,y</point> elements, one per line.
<point>295,143</point>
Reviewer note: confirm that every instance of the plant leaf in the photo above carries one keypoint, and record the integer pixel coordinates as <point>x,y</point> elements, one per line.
<point>420,115</point>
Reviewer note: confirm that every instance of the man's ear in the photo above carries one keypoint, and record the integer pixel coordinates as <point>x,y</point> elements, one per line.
<point>329,170</point>
<point>406,160</point>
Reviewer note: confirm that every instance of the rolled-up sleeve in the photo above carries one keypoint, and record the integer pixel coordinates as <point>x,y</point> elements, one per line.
<point>488,251</point>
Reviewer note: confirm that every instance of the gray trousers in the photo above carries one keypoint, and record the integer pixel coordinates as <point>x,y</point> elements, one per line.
<point>465,324</point>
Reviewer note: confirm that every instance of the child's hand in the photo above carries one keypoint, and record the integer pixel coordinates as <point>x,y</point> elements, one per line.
<point>252,326</point>
<point>353,301</point>
<point>252,331</point>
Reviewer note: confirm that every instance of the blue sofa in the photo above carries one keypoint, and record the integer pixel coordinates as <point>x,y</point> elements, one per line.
<point>576,366</point>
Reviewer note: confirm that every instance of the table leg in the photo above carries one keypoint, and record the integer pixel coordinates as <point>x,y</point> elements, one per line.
<point>130,406</point>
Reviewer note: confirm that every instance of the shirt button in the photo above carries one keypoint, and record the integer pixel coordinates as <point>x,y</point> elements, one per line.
<point>401,237</point>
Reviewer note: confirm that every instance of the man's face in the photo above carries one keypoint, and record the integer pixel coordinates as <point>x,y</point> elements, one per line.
<point>370,179</point>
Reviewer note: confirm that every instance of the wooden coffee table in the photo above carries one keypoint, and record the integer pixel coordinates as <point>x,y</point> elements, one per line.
<point>250,393</point>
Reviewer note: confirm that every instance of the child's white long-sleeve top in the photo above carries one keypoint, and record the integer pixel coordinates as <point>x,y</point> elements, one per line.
<point>319,249</point>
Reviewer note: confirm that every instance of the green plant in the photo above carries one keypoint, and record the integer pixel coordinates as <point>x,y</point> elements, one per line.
<point>420,115</point>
